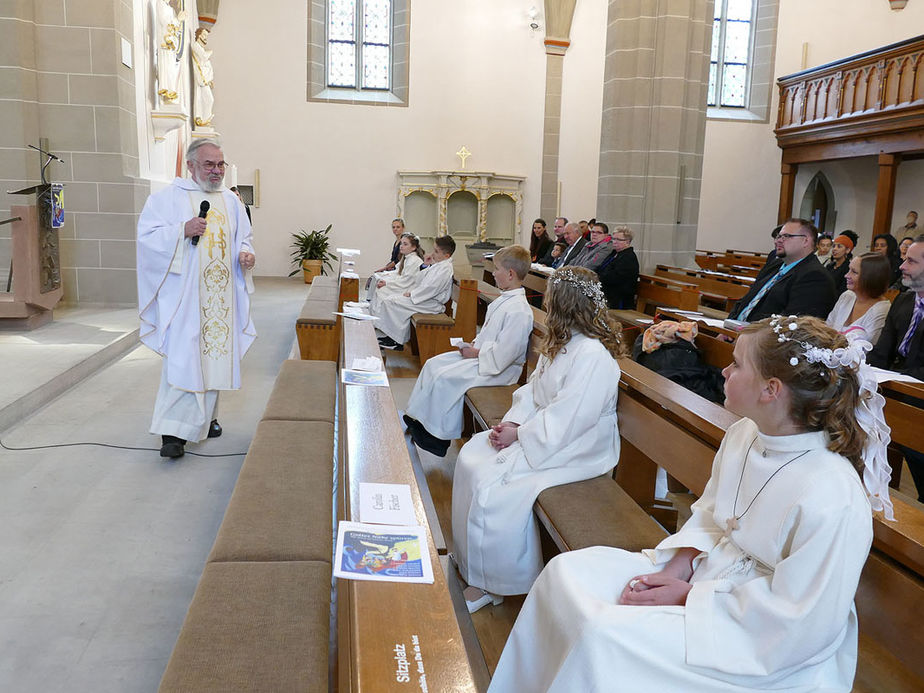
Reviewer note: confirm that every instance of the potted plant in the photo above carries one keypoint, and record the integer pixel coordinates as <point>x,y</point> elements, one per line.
<point>311,254</point>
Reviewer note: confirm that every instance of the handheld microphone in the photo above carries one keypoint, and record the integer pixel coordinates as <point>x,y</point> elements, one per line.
<point>203,211</point>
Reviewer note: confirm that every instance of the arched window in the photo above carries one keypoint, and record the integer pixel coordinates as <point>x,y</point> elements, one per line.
<point>732,47</point>
<point>359,44</point>
<point>741,66</point>
<point>358,51</point>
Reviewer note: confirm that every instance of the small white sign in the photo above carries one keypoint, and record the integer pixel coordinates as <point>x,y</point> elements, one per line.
<point>126,53</point>
<point>386,504</point>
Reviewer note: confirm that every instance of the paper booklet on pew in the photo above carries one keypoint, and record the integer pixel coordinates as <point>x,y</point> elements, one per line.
<point>383,553</point>
<point>367,378</point>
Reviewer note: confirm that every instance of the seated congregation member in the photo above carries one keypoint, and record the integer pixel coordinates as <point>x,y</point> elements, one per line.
<point>403,276</point>
<point>397,228</point>
<point>619,272</point>
<point>539,242</point>
<point>860,311</point>
<point>558,249</point>
<point>559,229</point>
<point>572,236</point>
<point>886,245</point>
<point>756,591</point>
<point>794,283</point>
<point>561,428</point>
<point>839,264</point>
<point>901,344</point>
<point>598,249</point>
<point>429,295</point>
<point>823,249</point>
<point>496,357</point>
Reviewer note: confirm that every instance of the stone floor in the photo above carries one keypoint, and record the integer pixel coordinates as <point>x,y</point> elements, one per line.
<point>101,548</point>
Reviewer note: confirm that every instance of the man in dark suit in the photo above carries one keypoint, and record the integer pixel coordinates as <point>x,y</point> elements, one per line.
<point>901,343</point>
<point>575,243</point>
<point>619,272</point>
<point>795,283</point>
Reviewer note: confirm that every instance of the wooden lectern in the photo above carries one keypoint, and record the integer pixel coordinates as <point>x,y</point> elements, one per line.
<point>36,268</point>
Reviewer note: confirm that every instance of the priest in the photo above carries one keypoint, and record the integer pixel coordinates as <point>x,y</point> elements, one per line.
<point>194,249</point>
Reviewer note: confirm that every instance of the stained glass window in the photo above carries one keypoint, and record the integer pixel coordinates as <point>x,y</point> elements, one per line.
<point>732,40</point>
<point>359,44</point>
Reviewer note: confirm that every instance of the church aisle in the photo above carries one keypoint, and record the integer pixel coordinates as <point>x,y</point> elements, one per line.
<point>101,549</point>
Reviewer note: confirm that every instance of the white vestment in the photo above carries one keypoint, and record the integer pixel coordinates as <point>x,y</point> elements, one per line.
<point>433,289</point>
<point>771,607</point>
<point>868,326</point>
<point>439,392</point>
<point>194,305</point>
<point>568,432</point>
<point>395,282</point>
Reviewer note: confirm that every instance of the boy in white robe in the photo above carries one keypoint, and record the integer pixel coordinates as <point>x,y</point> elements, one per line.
<point>496,357</point>
<point>433,290</point>
<point>756,591</point>
<point>194,302</point>
<point>561,428</point>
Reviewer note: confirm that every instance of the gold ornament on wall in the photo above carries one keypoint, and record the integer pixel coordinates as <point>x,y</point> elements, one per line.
<point>898,4</point>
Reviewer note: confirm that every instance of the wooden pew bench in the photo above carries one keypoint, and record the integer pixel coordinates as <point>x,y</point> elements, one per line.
<point>430,332</point>
<point>317,328</point>
<point>715,289</point>
<point>260,617</point>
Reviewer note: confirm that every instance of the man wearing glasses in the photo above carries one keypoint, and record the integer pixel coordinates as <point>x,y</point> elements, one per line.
<point>194,248</point>
<point>794,283</point>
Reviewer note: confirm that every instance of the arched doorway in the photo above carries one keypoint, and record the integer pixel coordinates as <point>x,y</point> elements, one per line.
<point>818,204</point>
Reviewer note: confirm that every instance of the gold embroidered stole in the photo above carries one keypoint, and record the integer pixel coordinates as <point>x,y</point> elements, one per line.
<point>216,295</point>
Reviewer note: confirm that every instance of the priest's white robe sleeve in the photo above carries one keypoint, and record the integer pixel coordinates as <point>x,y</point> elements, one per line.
<point>497,355</point>
<point>574,411</point>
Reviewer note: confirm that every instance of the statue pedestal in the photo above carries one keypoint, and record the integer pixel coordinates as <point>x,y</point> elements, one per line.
<point>36,273</point>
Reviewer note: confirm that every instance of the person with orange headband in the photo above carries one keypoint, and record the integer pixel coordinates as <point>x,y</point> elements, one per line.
<point>841,253</point>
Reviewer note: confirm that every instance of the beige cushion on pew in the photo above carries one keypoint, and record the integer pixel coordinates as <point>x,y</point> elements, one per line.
<point>597,512</point>
<point>282,504</point>
<point>492,402</point>
<point>254,627</point>
<point>432,319</point>
<point>318,312</point>
<point>303,391</point>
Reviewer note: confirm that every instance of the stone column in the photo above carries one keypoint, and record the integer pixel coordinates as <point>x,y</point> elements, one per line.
<point>558,14</point>
<point>654,123</point>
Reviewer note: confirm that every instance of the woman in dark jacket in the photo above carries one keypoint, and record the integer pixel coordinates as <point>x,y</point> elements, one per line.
<point>539,241</point>
<point>619,272</point>
<point>840,262</point>
<point>885,244</point>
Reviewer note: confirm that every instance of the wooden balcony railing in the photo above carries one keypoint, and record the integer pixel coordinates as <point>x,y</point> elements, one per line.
<point>878,93</point>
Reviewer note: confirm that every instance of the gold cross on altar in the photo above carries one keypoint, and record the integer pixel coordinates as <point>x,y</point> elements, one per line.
<point>463,154</point>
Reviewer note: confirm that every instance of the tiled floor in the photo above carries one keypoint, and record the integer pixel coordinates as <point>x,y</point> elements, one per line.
<point>101,548</point>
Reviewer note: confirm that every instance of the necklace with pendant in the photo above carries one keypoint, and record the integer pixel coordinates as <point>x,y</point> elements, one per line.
<point>731,523</point>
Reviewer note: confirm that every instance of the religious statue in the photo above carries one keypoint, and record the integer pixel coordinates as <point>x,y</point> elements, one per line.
<point>167,36</point>
<point>202,67</point>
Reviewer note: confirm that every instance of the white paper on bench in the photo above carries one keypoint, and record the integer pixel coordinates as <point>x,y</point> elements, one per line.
<point>356,315</point>
<point>386,504</point>
<point>367,363</point>
<point>384,553</point>
<point>882,376</point>
<point>367,378</point>
<point>458,343</point>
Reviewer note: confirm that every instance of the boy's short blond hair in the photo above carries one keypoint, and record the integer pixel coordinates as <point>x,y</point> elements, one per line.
<point>514,257</point>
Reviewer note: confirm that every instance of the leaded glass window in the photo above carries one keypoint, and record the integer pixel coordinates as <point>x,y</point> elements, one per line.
<point>359,42</point>
<point>732,53</point>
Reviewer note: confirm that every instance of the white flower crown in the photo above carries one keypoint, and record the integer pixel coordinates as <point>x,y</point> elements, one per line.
<point>851,356</point>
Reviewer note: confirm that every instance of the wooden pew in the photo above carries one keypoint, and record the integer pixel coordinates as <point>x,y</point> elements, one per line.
<point>317,328</point>
<point>430,333</point>
<point>708,259</point>
<point>715,288</point>
<point>745,259</point>
<point>657,291</point>
<point>374,617</point>
<point>739,270</point>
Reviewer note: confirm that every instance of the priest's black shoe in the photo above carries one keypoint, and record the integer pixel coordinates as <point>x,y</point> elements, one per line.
<point>214,429</point>
<point>171,446</point>
<point>427,441</point>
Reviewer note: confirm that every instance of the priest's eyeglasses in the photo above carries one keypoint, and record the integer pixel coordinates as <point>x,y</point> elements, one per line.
<point>213,165</point>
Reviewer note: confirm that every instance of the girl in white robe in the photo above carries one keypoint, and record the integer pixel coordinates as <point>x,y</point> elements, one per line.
<point>496,357</point>
<point>756,591</point>
<point>561,428</point>
<point>403,277</point>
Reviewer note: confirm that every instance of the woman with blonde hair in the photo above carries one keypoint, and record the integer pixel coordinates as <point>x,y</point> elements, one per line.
<point>404,276</point>
<point>561,428</point>
<point>861,310</point>
<point>756,591</point>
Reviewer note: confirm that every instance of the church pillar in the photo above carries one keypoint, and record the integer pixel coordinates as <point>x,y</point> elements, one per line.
<point>559,14</point>
<point>885,193</point>
<point>654,123</point>
<point>787,191</point>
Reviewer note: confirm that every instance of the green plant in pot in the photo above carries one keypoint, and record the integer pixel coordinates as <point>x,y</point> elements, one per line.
<point>311,253</point>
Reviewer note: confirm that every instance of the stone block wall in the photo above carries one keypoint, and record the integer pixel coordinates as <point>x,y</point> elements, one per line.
<point>63,81</point>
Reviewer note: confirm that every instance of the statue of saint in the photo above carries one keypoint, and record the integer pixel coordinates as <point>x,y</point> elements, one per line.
<point>167,36</point>
<point>202,68</point>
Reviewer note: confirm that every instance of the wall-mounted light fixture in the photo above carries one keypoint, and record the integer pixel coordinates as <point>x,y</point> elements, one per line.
<point>898,4</point>
<point>532,14</point>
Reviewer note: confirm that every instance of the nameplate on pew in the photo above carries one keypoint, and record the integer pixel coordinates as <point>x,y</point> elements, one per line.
<point>366,378</point>
<point>386,504</point>
<point>382,553</point>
